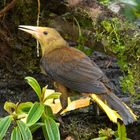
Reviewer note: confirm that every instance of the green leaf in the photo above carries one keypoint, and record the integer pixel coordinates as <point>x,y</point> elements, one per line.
<point>52,129</point>
<point>49,112</point>
<point>35,85</point>
<point>16,135</point>
<point>4,125</point>
<point>9,107</point>
<point>129,2</point>
<point>122,131</point>
<point>35,113</point>
<point>24,107</point>
<point>35,126</point>
<point>24,130</point>
<point>54,95</point>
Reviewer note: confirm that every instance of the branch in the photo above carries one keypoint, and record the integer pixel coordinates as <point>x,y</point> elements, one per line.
<point>7,8</point>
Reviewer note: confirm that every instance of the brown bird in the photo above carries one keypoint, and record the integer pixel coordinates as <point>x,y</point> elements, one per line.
<point>72,69</point>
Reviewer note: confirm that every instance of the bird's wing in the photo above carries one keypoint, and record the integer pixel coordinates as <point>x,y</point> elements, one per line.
<point>75,70</point>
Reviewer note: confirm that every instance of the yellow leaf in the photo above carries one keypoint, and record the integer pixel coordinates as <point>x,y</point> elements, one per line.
<point>112,114</point>
<point>77,104</point>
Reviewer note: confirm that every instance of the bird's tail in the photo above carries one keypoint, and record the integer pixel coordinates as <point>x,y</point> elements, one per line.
<point>114,107</point>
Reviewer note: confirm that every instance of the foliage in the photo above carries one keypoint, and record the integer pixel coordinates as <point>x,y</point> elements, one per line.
<point>108,133</point>
<point>131,9</point>
<point>121,39</point>
<point>26,118</point>
<point>126,48</point>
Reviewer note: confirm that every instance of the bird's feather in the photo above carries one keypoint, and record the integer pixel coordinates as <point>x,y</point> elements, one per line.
<point>75,70</point>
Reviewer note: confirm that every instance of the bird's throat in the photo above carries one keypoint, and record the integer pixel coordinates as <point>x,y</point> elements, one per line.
<point>52,46</point>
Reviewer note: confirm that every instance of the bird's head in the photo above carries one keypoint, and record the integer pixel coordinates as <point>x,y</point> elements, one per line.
<point>48,38</point>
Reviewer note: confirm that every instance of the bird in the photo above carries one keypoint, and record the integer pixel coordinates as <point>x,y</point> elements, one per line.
<point>73,70</point>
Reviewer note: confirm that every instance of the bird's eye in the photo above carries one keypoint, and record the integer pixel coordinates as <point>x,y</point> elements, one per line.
<point>45,32</point>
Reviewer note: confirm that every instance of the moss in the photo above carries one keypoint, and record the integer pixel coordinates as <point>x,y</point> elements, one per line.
<point>84,126</point>
<point>123,41</point>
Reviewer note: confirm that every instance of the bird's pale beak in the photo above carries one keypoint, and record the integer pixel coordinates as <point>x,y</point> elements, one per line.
<point>33,30</point>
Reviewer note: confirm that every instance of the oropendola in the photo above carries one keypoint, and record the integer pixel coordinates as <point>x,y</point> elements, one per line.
<point>71,69</point>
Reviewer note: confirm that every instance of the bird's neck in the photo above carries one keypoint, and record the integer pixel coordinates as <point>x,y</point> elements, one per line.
<point>55,44</point>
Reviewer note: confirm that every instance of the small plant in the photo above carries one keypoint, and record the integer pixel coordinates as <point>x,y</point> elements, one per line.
<point>108,133</point>
<point>26,118</point>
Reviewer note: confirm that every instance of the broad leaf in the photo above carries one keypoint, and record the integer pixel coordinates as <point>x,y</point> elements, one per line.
<point>35,126</point>
<point>122,131</point>
<point>4,125</point>
<point>16,135</point>
<point>54,95</point>
<point>9,107</point>
<point>129,2</point>
<point>35,113</point>
<point>35,85</point>
<point>24,130</point>
<point>52,129</point>
<point>24,107</point>
<point>49,112</point>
